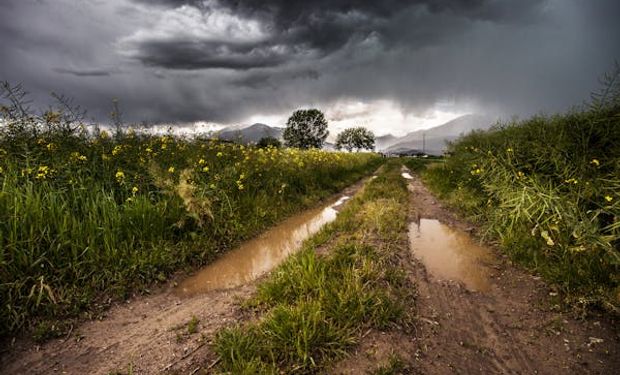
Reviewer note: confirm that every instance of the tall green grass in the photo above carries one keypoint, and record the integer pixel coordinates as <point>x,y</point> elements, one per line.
<point>316,307</point>
<point>85,217</point>
<point>549,189</point>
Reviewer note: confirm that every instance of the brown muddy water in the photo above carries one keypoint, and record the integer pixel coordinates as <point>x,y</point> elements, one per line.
<point>261,254</point>
<point>450,254</point>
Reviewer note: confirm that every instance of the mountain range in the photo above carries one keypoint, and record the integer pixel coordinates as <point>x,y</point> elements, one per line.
<point>431,141</point>
<point>250,134</point>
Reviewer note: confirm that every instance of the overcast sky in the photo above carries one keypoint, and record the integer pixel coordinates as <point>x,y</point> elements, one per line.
<point>392,65</point>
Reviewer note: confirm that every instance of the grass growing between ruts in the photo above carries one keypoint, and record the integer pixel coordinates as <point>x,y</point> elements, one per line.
<point>315,307</point>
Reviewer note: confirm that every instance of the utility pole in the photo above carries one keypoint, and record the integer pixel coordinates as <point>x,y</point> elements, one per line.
<point>424,143</point>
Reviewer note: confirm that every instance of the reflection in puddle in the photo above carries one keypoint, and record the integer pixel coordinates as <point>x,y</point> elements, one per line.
<point>450,254</point>
<point>259,255</point>
<point>407,176</point>
<point>340,201</point>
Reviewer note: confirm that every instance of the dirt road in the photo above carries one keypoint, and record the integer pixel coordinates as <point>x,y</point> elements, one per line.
<point>508,329</point>
<point>155,334</point>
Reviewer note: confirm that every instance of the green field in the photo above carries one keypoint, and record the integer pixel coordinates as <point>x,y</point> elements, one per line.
<point>85,217</point>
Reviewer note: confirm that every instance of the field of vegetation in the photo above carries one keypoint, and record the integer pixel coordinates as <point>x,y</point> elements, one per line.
<point>315,307</point>
<point>548,189</point>
<point>88,216</point>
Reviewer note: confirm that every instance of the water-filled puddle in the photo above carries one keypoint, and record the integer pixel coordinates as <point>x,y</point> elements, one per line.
<point>450,254</point>
<point>261,254</point>
<point>407,176</point>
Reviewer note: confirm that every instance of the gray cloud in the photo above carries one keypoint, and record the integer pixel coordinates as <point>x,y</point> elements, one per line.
<point>318,27</point>
<point>89,72</point>
<point>228,60</point>
<point>189,55</point>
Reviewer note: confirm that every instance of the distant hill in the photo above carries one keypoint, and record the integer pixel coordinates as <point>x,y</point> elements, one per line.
<point>436,138</point>
<point>385,141</point>
<point>251,134</point>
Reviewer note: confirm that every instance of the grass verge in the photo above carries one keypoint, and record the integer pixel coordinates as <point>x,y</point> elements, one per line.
<point>88,217</point>
<point>315,307</point>
<point>548,189</point>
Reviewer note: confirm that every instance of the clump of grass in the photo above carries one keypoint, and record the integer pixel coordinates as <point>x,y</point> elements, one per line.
<point>85,216</point>
<point>417,164</point>
<point>315,307</point>
<point>192,325</point>
<point>394,366</point>
<point>549,189</point>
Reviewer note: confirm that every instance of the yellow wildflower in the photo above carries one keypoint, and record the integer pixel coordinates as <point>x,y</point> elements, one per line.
<point>545,235</point>
<point>149,150</point>
<point>120,176</point>
<point>171,170</point>
<point>201,162</point>
<point>134,189</point>
<point>219,154</point>
<point>509,149</point>
<point>205,169</point>
<point>595,162</point>
<point>609,198</point>
<point>42,172</point>
<point>76,156</point>
<point>117,150</point>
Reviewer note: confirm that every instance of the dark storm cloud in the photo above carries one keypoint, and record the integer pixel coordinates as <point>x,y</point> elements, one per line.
<point>261,80</point>
<point>225,61</point>
<point>187,55</point>
<point>91,72</point>
<point>320,27</point>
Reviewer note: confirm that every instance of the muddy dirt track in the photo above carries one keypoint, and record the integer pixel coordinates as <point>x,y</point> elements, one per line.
<point>507,329</point>
<point>150,334</point>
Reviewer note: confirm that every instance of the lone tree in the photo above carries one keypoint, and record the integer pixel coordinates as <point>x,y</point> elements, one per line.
<point>306,128</point>
<point>358,138</point>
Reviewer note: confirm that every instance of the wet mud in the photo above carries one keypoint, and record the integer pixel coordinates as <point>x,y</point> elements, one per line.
<point>258,256</point>
<point>450,254</point>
